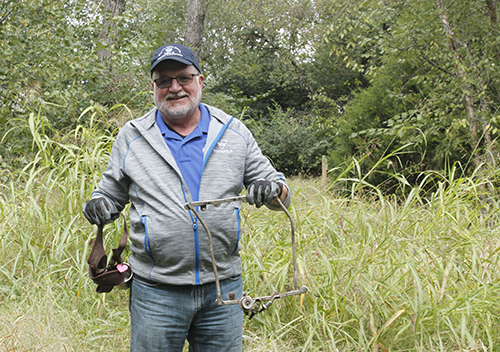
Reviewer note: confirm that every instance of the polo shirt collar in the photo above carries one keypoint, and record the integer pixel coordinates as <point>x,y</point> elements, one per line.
<point>201,128</point>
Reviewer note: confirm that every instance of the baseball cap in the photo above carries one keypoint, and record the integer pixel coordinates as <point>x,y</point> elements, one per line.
<point>175,52</point>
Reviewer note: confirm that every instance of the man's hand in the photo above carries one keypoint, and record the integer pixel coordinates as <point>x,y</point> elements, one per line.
<point>99,211</point>
<point>262,192</point>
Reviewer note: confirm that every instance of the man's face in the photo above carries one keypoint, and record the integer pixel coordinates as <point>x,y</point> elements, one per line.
<point>176,102</point>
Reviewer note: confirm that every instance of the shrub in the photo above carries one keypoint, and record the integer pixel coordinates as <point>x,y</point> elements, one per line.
<point>291,141</point>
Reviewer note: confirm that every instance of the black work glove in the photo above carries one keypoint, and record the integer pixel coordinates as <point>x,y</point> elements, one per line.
<point>100,211</point>
<point>262,192</point>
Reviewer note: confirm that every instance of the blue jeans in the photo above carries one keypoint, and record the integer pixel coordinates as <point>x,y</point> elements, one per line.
<point>164,316</point>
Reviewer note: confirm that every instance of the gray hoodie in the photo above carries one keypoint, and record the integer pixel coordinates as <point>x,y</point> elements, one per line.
<point>168,244</point>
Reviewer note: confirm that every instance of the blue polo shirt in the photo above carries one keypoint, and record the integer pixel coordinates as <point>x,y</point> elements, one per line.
<point>188,150</point>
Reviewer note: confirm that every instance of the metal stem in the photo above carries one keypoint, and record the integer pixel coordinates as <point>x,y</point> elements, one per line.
<point>211,246</point>
<point>294,252</point>
<point>192,206</point>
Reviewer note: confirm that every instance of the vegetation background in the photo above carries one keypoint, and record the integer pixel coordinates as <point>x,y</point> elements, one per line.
<point>399,250</point>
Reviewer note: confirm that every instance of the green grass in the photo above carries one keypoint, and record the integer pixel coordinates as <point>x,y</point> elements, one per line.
<point>416,273</point>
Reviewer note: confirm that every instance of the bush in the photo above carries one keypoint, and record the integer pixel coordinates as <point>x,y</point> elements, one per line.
<point>291,141</point>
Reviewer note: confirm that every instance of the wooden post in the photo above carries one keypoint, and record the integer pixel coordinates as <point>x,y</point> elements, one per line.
<point>323,172</point>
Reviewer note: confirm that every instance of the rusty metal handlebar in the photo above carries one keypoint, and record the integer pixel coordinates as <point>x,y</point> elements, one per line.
<point>248,304</point>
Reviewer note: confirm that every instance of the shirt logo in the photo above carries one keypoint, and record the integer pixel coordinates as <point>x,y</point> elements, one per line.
<point>221,145</point>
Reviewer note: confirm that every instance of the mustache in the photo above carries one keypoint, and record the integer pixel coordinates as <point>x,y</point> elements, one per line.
<point>176,96</point>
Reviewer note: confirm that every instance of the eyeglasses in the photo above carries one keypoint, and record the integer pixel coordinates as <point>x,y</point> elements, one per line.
<point>182,80</point>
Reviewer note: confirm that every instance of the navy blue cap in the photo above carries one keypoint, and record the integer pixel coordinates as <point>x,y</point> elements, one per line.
<point>175,52</point>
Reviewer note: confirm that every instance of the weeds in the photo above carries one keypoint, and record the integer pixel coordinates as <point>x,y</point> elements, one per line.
<point>414,273</point>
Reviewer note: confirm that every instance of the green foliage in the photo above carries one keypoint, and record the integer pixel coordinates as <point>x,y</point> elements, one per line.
<point>418,85</point>
<point>381,74</point>
<point>294,143</point>
<point>371,79</point>
<point>369,128</point>
<point>401,274</point>
<point>50,66</point>
<point>277,59</point>
<point>45,53</point>
<point>46,298</point>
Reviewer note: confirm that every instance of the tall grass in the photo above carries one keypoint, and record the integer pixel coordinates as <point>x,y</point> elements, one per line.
<point>46,299</point>
<point>416,273</point>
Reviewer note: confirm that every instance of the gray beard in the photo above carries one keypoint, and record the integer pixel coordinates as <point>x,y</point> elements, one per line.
<point>178,112</point>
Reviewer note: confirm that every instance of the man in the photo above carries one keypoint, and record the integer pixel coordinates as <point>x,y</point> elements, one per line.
<point>179,152</point>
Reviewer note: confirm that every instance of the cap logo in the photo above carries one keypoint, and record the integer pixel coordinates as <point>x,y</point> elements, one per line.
<point>169,51</point>
<point>174,52</point>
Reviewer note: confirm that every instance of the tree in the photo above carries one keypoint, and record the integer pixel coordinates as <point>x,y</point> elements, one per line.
<point>51,67</point>
<point>44,52</point>
<point>195,18</point>
<point>435,65</point>
<point>474,86</point>
<point>262,60</point>
<point>273,67</point>
<point>109,33</point>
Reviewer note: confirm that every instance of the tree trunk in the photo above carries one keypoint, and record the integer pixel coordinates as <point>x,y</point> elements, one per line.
<point>472,91</point>
<point>467,88</point>
<point>195,18</point>
<point>492,12</point>
<point>491,8</point>
<point>109,32</point>
<point>483,118</point>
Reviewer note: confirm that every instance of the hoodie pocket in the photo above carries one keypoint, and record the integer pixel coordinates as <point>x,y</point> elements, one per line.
<point>237,244</point>
<point>147,242</point>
